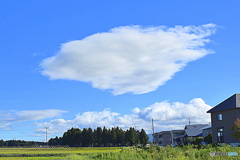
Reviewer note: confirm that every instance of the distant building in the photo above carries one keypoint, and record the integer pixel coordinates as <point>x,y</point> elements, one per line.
<point>166,138</point>
<point>223,117</point>
<point>191,132</point>
<point>162,138</point>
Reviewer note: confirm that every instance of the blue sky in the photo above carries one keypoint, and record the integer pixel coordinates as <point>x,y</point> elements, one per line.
<point>92,63</point>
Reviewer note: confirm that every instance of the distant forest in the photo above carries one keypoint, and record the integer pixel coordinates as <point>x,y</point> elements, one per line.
<point>20,143</point>
<point>100,137</point>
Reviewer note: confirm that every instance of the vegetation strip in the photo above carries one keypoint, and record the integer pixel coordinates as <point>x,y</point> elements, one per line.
<point>32,155</point>
<point>188,152</point>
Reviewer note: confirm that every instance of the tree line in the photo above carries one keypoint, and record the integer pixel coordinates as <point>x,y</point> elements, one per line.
<point>20,143</point>
<point>101,137</point>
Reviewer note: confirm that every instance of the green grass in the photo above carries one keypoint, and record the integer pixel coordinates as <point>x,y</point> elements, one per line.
<point>31,158</point>
<point>190,152</point>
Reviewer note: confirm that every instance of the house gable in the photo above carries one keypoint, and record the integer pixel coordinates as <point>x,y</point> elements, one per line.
<point>223,117</point>
<point>230,103</point>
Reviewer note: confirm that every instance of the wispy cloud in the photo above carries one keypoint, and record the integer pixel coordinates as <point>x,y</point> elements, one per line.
<point>131,58</point>
<point>34,115</point>
<point>10,117</point>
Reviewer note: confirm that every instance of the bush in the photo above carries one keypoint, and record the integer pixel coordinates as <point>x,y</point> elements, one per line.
<point>197,141</point>
<point>208,138</point>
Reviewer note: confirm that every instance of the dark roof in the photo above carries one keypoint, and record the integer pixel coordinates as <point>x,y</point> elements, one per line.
<point>230,103</point>
<point>194,130</point>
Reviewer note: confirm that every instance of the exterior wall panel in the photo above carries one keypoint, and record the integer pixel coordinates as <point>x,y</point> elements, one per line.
<point>228,119</point>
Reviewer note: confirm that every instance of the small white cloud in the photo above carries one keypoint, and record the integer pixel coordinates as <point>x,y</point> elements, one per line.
<point>104,118</point>
<point>129,59</point>
<point>136,110</point>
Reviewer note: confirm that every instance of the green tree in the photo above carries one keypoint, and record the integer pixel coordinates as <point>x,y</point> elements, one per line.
<point>55,141</point>
<point>137,140</point>
<point>1,143</point>
<point>236,129</point>
<point>90,136</point>
<point>143,137</point>
<point>72,137</point>
<point>113,137</point>
<point>105,137</point>
<point>85,140</point>
<point>98,136</point>
<point>131,136</point>
<point>120,137</point>
<point>78,137</point>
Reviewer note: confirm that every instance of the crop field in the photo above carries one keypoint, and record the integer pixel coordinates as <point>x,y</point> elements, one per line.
<point>52,153</point>
<point>190,152</point>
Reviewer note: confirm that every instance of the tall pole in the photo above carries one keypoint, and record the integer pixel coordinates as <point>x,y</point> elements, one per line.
<point>152,127</point>
<point>153,131</point>
<point>46,137</point>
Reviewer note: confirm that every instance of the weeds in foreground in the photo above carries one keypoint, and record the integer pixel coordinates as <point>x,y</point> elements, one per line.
<point>191,152</point>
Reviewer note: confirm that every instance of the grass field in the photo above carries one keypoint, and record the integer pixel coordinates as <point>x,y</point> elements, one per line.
<point>116,153</point>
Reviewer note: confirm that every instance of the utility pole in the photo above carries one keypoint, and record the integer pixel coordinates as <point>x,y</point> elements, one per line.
<point>152,127</point>
<point>153,132</point>
<point>46,137</point>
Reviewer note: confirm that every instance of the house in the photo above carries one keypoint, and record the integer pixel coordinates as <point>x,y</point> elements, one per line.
<point>223,117</point>
<point>191,133</point>
<point>179,137</point>
<point>162,138</point>
<point>166,138</point>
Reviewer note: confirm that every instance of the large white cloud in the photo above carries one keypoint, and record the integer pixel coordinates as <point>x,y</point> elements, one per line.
<point>131,58</point>
<point>166,116</point>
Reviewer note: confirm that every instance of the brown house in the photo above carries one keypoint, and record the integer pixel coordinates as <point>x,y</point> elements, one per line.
<point>223,117</point>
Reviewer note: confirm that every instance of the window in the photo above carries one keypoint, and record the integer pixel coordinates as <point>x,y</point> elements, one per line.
<point>219,117</point>
<point>220,135</point>
<point>160,136</point>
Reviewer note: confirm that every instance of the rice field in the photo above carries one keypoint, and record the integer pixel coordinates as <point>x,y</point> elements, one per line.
<point>52,153</point>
